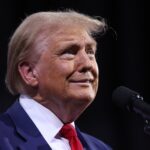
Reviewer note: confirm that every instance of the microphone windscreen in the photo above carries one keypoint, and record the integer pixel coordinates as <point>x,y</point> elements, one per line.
<point>122,96</point>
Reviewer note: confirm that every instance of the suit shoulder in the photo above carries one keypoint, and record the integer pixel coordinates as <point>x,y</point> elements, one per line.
<point>96,142</point>
<point>5,123</point>
<point>4,117</point>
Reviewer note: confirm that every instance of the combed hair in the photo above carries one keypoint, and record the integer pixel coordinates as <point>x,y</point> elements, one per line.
<point>37,28</point>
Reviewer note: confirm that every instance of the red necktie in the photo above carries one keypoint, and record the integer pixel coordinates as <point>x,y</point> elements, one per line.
<point>69,133</point>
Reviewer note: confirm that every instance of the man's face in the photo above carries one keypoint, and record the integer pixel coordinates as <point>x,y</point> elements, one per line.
<point>67,71</point>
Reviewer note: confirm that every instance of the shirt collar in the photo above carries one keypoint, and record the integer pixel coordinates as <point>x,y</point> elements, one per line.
<point>44,119</point>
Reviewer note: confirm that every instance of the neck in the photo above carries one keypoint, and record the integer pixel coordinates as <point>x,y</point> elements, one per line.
<point>66,114</point>
<point>67,111</point>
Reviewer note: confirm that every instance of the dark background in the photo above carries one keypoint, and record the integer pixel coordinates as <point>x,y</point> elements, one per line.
<point>122,56</point>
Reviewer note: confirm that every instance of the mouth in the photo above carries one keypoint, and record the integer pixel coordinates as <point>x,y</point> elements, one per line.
<point>83,81</point>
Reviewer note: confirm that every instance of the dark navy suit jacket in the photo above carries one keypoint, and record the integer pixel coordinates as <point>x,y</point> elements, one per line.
<point>18,132</point>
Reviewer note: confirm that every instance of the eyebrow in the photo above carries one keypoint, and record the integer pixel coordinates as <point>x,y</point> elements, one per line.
<point>76,46</point>
<point>73,43</point>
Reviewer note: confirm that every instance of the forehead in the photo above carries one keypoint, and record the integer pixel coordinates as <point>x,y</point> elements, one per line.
<point>72,35</point>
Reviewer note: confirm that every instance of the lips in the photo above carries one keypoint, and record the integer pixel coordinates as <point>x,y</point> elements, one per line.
<point>82,80</point>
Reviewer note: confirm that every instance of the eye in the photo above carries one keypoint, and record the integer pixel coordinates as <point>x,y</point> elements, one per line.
<point>91,53</point>
<point>69,53</point>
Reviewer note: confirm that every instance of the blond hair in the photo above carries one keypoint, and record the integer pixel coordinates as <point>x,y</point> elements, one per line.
<point>37,28</point>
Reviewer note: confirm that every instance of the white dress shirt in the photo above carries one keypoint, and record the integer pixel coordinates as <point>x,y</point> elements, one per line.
<point>46,121</point>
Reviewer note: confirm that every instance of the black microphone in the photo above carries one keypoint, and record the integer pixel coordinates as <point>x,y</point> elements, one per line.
<point>133,101</point>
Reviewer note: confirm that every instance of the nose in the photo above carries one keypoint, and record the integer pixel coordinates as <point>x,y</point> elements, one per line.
<point>84,62</point>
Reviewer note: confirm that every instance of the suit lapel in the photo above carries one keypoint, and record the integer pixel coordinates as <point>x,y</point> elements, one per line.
<point>91,143</point>
<point>26,129</point>
<point>30,138</point>
<point>83,140</point>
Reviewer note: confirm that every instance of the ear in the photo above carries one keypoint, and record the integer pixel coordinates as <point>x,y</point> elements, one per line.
<point>28,74</point>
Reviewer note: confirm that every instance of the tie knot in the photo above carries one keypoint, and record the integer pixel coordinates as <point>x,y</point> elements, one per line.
<point>68,131</point>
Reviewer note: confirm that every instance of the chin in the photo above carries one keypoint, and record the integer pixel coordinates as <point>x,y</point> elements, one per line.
<point>84,98</point>
<point>80,96</point>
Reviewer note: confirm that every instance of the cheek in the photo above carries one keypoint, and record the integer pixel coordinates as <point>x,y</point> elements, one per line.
<point>96,69</point>
<point>96,72</point>
<point>64,69</point>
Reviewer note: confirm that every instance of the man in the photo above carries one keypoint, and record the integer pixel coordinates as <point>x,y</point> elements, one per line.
<point>52,66</point>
